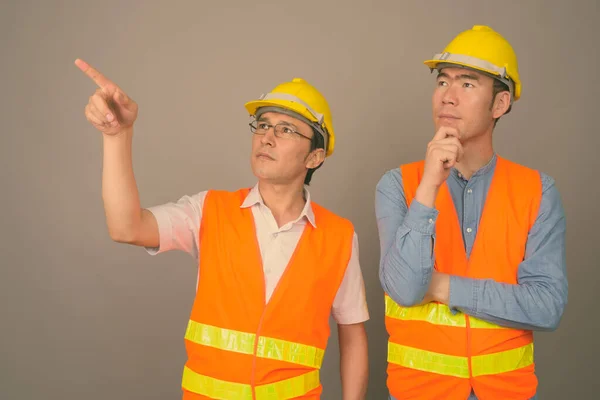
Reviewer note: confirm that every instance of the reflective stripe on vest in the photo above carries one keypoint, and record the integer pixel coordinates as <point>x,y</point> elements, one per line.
<point>224,390</point>
<point>243,342</point>
<point>434,313</point>
<point>440,314</point>
<point>443,364</point>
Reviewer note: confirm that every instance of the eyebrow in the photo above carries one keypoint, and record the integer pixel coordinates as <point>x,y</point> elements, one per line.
<point>461,76</point>
<point>265,119</point>
<point>289,124</point>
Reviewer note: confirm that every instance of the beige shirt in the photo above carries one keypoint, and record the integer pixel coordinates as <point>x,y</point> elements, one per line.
<point>179,226</point>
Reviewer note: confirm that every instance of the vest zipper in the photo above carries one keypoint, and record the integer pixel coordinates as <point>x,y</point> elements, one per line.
<point>265,302</point>
<point>253,377</point>
<point>469,348</point>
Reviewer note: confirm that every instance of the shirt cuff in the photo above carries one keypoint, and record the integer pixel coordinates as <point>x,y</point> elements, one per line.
<point>463,294</point>
<point>165,237</point>
<point>421,218</point>
<point>349,318</point>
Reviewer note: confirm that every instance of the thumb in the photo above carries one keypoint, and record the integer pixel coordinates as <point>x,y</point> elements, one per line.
<point>121,98</point>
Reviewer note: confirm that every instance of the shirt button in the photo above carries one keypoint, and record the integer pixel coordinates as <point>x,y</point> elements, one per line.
<point>469,190</point>
<point>431,220</point>
<point>469,230</point>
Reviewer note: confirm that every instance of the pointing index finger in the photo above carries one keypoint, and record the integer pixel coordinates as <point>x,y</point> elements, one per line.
<point>100,80</point>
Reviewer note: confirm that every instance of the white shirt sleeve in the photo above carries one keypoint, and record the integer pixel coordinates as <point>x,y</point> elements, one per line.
<point>350,304</point>
<point>179,225</point>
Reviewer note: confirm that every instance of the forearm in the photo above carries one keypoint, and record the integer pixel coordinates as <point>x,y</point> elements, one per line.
<point>426,194</point>
<point>406,236</point>
<point>531,305</point>
<point>406,268</point>
<point>354,361</point>
<point>119,189</point>
<point>538,301</point>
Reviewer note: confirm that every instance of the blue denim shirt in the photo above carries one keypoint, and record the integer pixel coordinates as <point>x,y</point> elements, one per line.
<point>407,258</point>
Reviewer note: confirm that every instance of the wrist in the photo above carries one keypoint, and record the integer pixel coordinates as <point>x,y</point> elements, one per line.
<point>118,143</point>
<point>427,193</point>
<point>441,292</point>
<point>123,133</point>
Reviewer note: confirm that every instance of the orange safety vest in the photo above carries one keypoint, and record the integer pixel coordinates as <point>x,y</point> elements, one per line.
<point>435,354</point>
<point>240,348</point>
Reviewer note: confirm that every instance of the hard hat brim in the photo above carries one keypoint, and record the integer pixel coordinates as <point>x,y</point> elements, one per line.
<point>252,106</point>
<point>433,64</point>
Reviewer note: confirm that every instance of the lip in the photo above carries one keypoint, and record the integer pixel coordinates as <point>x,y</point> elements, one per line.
<point>448,116</point>
<point>264,155</point>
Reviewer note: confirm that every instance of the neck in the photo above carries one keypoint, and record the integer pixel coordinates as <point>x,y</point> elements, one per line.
<point>286,202</point>
<point>478,152</point>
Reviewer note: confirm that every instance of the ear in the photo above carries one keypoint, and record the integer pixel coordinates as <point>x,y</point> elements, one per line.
<point>501,104</point>
<point>315,158</point>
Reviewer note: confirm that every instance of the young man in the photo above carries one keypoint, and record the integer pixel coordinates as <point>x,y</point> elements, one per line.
<point>273,265</point>
<point>472,245</point>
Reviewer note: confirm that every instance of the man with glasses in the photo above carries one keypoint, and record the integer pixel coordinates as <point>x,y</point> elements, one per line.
<point>273,265</point>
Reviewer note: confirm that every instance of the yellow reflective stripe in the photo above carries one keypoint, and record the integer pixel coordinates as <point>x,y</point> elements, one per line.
<point>438,314</point>
<point>224,390</point>
<point>486,364</point>
<point>481,324</point>
<point>509,360</point>
<point>428,361</point>
<point>434,313</point>
<point>243,342</point>
<point>289,388</point>
<point>214,388</point>
<point>276,349</point>
<point>224,339</point>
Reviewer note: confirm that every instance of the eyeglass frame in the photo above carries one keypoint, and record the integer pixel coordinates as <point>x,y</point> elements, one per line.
<point>253,129</point>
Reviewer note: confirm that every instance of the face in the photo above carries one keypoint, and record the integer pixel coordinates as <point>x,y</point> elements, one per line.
<point>462,99</point>
<point>283,160</point>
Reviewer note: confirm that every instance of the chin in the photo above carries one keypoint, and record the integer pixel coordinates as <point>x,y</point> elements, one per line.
<point>263,174</point>
<point>450,123</point>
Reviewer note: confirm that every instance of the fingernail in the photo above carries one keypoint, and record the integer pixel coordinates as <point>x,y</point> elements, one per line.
<point>109,117</point>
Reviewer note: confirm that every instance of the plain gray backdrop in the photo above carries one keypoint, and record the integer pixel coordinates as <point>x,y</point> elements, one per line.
<point>83,317</point>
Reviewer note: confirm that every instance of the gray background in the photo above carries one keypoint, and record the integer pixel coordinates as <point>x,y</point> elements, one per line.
<point>83,317</point>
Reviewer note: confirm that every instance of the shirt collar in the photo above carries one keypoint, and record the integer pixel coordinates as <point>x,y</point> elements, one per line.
<point>487,168</point>
<point>254,198</point>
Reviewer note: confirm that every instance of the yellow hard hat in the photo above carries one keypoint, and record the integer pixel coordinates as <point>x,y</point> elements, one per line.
<point>483,49</point>
<point>302,98</point>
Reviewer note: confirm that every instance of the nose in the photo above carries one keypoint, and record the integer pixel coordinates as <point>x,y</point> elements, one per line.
<point>268,139</point>
<point>449,96</point>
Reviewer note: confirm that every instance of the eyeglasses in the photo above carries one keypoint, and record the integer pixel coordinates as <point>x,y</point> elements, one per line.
<point>282,131</point>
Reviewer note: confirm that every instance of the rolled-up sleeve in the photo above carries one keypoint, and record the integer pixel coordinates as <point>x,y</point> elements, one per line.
<point>179,225</point>
<point>538,300</point>
<point>350,304</point>
<point>406,236</point>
